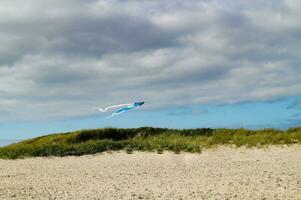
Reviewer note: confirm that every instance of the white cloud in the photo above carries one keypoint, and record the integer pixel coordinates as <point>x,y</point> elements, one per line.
<point>58,59</point>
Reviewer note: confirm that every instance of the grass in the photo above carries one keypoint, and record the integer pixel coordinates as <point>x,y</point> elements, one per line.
<point>145,139</point>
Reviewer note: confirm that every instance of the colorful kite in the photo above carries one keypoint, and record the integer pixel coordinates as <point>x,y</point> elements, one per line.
<point>126,107</point>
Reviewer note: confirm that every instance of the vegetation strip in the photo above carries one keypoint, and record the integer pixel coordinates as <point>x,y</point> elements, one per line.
<point>145,139</point>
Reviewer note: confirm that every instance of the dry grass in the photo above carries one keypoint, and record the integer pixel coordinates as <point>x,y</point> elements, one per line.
<point>145,139</point>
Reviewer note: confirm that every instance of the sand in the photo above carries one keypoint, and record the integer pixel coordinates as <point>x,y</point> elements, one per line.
<point>222,173</point>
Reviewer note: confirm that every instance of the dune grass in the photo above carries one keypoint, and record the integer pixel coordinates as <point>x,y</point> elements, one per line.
<point>145,139</point>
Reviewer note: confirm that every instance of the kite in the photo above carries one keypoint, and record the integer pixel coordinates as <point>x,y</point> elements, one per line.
<point>126,107</point>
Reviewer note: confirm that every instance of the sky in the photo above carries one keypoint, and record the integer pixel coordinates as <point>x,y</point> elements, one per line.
<point>218,63</point>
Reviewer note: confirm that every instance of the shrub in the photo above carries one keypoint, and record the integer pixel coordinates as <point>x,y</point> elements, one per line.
<point>145,139</point>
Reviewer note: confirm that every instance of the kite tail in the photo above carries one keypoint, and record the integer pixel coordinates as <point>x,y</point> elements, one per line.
<point>110,107</point>
<point>100,109</point>
<point>113,115</point>
<point>116,113</point>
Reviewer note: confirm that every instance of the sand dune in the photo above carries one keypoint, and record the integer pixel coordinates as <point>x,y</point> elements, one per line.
<point>223,173</point>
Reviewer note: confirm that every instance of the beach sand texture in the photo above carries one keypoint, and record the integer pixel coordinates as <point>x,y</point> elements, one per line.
<point>222,173</point>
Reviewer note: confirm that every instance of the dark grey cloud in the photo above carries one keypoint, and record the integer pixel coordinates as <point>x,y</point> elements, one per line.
<point>60,58</point>
<point>81,33</point>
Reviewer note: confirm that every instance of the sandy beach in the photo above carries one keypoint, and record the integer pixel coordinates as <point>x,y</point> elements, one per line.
<point>222,173</point>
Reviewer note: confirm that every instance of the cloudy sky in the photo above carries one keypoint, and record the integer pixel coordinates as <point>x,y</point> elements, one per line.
<point>220,63</point>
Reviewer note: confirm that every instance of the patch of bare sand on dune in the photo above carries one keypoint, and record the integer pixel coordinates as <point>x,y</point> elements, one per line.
<point>221,173</point>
